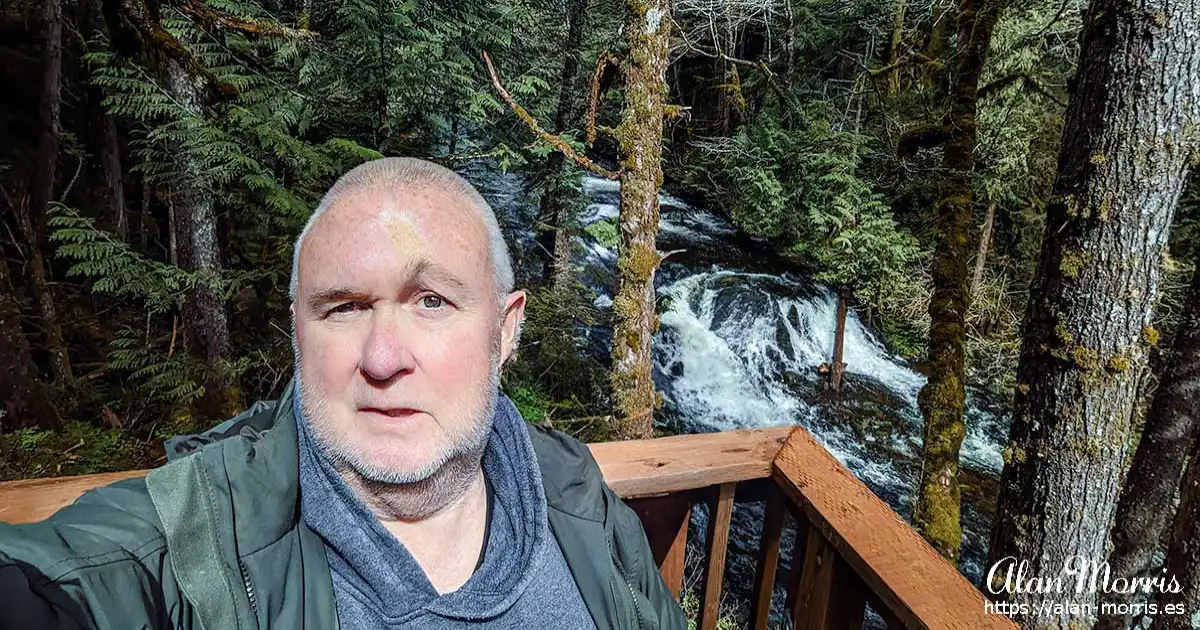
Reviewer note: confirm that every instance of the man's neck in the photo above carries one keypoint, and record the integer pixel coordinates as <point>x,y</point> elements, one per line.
<point>446,540</point>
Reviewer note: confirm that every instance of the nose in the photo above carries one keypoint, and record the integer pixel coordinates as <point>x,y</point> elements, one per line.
<point>387,352</point>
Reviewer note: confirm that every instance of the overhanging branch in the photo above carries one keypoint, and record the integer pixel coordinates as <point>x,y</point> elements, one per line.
<point>557,141</point>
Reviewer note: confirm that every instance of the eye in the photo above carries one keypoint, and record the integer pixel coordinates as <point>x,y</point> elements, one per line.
<point>432,301</point>
<point>345,307</point>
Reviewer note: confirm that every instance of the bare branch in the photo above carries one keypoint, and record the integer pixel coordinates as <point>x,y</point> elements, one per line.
<point>556,141</point>
<point>602,63</point>
<point>213,17</point>
<point>1000,84</point>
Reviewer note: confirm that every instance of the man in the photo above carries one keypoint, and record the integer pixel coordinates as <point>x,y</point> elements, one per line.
<point>392,486</point>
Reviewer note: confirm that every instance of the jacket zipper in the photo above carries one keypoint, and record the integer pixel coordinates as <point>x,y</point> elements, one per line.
<point>625,578</point>
<point>249,589</point>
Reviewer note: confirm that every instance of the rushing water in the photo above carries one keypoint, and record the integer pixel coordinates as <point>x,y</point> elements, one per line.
<point>739,347</point>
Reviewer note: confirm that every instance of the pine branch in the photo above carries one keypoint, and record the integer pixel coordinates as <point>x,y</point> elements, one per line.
<point>557,141</point>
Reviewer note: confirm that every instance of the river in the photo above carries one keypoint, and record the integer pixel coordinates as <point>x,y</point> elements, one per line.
<point>738,347</point>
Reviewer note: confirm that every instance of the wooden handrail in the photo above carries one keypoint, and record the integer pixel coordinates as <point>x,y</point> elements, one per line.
<point>903,571</point>
<point>851,547</point>
<point>633,469</point>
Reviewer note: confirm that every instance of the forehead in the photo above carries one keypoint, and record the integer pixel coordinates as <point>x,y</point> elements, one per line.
<point>379,230</point>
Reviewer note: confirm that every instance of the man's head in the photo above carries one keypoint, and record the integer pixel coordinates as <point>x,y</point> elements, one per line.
<point>403,314</point>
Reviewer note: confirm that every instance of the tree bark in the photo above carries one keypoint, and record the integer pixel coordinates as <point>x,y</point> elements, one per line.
<point>639,138</point>
<point>114,185</point>
<point>22,394</point>
<point>1129,134</point>
<point>985,243</point>
<point>206,326</point>
<point>31,218</point>
<point>942,399</point>
<point>894,57</point>
<point>1183,554</point>
<point>553,225</point>
<point>1143,514</point>
<point>837,369</point>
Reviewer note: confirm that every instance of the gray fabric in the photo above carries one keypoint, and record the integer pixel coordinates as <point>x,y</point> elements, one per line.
<point>523,581</point>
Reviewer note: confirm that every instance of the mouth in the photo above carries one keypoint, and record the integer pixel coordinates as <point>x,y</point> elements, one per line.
<point>391,412</point>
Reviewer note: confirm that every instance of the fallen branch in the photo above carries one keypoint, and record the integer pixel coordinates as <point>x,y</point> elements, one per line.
<point>922,138</point>
<point>602,63</point>
<point>213,17</point>
<point>557,141</point>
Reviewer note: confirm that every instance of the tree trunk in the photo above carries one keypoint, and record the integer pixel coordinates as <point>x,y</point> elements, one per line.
<point>1128,135</point>
<point>837,369</point>
<point>114,186</point>
<point>639,138</point>
<point>31,218</point>
<point>1183,554</point>
<point>935,43</point>
<point>553,225</point>
<point>936,513</point>
<point>22,395</point>
<point>985,243</point>
<point>897,40</point>
<point>1143,513</point>
<point>206,327</point>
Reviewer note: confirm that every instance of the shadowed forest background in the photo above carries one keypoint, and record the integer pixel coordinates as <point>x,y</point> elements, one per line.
<point>955,240</point>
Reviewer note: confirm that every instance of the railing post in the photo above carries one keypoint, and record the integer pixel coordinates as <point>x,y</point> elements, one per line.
<point>816,582</point>
<point>768,558</point>
<point>719,513</point>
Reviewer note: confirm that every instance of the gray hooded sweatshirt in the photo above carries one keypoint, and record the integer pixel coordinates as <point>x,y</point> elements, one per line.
<point>522,581</point>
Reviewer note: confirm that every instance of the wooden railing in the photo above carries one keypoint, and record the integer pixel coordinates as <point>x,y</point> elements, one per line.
<point>852,549</point>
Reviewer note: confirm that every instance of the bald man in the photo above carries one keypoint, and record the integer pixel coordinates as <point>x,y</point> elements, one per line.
<point>392,486</point>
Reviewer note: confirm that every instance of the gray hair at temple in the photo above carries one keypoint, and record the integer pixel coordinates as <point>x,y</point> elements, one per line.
<point>390,174</point>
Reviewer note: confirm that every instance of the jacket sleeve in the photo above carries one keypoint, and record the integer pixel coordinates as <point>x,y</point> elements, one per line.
<point>631,536</point>
<point>98,563</point>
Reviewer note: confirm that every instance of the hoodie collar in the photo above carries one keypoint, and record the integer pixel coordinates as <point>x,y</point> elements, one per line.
<point>385,576</point>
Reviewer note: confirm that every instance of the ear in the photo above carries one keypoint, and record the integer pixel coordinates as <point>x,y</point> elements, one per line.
<point>510,327</point>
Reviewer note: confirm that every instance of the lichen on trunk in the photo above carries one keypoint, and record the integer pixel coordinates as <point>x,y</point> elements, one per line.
<point>942,399</point>
<point>639,139</point>
<point>1129,134</point>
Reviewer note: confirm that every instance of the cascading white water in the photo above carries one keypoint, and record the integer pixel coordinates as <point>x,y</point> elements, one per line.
<point>738,349</point>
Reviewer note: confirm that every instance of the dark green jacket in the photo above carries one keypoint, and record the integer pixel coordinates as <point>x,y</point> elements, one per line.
<point>214,540</point>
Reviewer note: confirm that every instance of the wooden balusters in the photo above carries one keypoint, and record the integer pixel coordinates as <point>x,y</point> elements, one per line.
<point>768,559</point>
<point>719,513</point>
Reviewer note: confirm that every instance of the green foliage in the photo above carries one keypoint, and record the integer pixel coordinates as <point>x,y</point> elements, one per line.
<point>803,189</point>
<point>80,448</point>
<point>605,232</point>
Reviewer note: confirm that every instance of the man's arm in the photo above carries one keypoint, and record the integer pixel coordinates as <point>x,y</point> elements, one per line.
<point>99,563</point>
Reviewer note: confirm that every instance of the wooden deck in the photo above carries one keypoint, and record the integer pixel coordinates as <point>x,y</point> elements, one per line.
<point>856,550</point>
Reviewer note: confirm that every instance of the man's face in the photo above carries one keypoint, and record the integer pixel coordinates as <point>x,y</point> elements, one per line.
<point>400,332</point>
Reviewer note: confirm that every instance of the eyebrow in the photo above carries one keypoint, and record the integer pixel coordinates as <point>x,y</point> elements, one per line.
<point>335,294</point>
<point>434,271</point>
<point>423,267</point>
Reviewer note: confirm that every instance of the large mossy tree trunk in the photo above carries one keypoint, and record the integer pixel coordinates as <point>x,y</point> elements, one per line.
<point>942,399</point>
<point>31,217</point>
<point>1143,514</point>
<point>554,225</point>
<point>639,138</point>
<point>205,323</point>
<point>1129,134</point>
